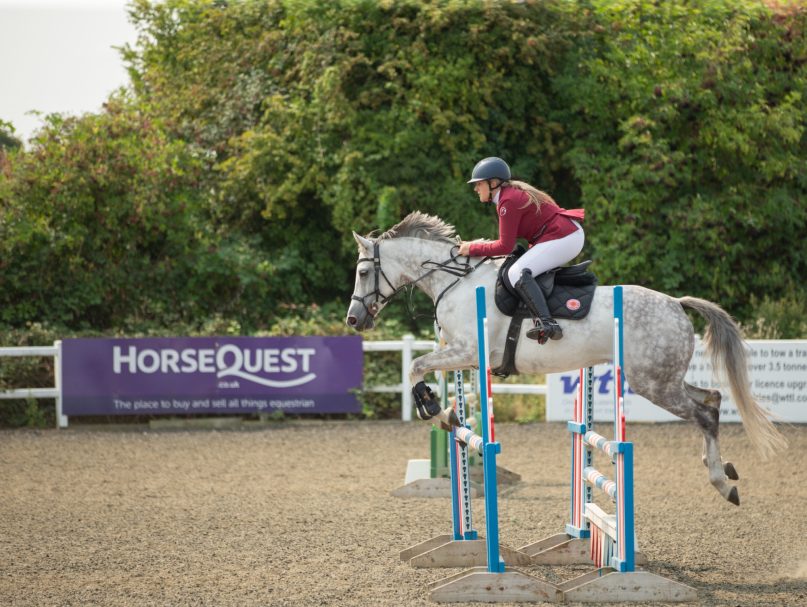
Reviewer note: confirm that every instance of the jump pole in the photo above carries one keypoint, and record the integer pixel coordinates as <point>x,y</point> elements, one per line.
<point>494,582</point>
<point>430,477</point>
<point>462,547</point>
<point>573,546</point>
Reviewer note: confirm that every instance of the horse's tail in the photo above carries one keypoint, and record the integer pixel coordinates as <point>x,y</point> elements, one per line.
<point>725,345</point>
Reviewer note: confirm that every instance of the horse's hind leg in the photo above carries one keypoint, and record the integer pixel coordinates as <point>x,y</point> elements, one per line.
<point>706,415</point>
<point>711,398</point>
<point>699,406</point>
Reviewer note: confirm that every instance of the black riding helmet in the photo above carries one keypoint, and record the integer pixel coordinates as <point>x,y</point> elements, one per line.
<point>490,168</point>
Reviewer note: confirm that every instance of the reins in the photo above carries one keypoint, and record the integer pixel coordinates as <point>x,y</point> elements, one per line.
<point>458,269</point>
<point>461,272</point>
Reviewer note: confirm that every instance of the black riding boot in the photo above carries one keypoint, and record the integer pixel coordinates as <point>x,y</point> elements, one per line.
<point>531,294</point>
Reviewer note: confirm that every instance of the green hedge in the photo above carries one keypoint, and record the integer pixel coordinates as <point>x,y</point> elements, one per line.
<point>258,135</point>
<point>688,129</point>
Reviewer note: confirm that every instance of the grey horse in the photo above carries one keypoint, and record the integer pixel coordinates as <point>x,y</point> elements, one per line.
<point>658,336</point>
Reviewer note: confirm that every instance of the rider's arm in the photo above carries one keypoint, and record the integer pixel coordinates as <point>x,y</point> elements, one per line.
<point>509,215</point>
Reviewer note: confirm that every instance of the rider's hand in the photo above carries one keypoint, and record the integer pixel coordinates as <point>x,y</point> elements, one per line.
<point>465,248</point>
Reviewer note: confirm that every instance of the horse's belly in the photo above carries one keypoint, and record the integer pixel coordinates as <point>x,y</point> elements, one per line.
<point>562,355</point>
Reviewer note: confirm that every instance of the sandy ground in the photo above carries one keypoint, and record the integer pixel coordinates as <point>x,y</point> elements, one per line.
<point>300,513</point>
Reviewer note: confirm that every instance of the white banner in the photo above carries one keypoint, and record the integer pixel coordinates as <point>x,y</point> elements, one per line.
<point>777,369</point>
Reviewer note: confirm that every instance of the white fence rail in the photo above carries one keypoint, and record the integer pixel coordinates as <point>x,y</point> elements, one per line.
<point>406,346</point>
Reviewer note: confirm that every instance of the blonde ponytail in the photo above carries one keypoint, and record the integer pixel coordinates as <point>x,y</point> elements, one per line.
<point>534,195</point>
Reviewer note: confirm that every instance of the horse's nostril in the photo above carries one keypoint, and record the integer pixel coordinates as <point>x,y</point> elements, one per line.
<point>351,320</point>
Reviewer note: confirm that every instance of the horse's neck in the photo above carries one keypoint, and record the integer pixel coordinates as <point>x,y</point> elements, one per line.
<point>415,254</point>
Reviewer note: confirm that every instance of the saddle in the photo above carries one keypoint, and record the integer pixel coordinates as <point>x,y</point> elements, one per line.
<point>569,292</point>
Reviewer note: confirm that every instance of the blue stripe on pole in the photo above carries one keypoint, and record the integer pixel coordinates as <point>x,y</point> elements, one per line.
<point>577,428</point>
<point>455,490</point>
<point>495,562</point>
<point>630,537</point>
<point>481,314</point>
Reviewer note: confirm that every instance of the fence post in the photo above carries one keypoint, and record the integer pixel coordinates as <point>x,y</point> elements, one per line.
<point>406,363</point>
<point>61,419</point>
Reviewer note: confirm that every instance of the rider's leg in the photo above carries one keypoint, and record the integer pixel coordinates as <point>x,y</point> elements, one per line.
<point>538,259</point>
<point>548,255</point>
<point>545,327</point>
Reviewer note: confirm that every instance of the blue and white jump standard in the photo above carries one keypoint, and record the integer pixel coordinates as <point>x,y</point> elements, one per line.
<point>463,547</point>
<point>593,536</point>
<point>494,582</point>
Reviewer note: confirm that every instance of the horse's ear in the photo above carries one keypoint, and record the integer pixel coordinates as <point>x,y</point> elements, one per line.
<point>363,242</point>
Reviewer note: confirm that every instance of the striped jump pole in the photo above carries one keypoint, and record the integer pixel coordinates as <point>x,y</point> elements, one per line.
<point>463,547</point>
<point>611,538</point>
<point>460,462</point>
<point>433,477</point>
<point>581,541</point>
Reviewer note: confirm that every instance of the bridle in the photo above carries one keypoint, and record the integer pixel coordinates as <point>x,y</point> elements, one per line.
<point>451,266</point>
<point>380,298</point>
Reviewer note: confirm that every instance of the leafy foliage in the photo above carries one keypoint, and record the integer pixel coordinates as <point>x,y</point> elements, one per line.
<point>688,129</point>
<point>94,221</point>
<point>8,141</point>
<point>222,189</point>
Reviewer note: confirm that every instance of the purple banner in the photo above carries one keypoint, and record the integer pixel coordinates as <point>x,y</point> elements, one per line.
<point>170,376</point>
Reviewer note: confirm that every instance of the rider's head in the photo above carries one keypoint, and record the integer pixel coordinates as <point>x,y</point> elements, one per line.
<point>489,174</point>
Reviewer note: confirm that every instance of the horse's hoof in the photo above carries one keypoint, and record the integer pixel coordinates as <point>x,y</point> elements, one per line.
<point>453,419</point>
<point>734,496</point>
<point>420,411</point>
<point>731,471</point>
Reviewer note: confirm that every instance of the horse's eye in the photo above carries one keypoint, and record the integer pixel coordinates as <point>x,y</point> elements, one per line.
<point>363,273</point>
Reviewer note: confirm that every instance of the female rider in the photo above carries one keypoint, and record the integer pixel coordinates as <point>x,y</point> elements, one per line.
<point>553,233</point>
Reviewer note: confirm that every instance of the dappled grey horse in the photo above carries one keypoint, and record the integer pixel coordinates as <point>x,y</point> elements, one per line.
<point>658,336</point>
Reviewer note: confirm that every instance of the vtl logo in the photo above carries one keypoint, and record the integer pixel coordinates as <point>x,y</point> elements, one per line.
<point>605,381</point>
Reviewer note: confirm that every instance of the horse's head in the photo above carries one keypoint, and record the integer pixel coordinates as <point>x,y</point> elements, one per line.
<point>395,259</point>
<point>372,289</point>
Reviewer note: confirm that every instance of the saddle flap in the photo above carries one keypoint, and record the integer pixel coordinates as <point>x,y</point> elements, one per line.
<point>569,293</point>
<point>577,275</point>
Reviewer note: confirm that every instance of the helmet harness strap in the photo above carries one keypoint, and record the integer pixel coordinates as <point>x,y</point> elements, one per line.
<point>491,188</point>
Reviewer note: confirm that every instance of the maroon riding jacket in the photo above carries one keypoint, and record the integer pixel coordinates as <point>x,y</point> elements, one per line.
<point>519,219</point>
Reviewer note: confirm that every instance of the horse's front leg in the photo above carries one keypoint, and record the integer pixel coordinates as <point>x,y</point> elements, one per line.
<point>449,358</point>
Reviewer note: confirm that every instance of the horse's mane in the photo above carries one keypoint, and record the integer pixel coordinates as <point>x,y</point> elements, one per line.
<point>421,225</point>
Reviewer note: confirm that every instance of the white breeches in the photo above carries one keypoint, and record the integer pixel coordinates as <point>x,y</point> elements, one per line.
<point>548,255</point>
